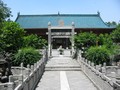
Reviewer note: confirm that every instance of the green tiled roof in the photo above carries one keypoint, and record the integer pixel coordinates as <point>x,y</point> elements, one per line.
<point>80,20</point>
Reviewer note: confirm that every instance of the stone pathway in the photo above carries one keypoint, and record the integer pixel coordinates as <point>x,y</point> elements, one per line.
<point>63,73</point>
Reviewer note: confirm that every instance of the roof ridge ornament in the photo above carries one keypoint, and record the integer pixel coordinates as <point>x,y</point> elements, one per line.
<point>98,13</point>
<point>58,13</point>
<point>18,13</point>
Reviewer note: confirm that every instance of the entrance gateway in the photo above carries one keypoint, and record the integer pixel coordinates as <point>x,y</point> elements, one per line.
<point>60,36</point>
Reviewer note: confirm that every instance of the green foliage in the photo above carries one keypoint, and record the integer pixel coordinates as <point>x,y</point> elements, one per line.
<point>85,39</point>
<point>27,55</point>
<point>98,55</point>
<point>113,23</point>
<point>105,39</point>
<point>115,53</point>
<point>116,34</point>
<point>11,37</point>
<point>4,12</point>
<point>34,41</point>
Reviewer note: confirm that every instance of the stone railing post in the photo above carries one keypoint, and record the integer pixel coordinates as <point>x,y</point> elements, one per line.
<point>28,70</point>
<point>35,66</point>
<point>113,76</point>
<point>100,67</point>
<point>96,67</point>
<point>10,86</point>
<point>32,68</point>
<point>104,65</point>
<point>21,76</point>
<point>103,70</point>
<point>10,78</point>
<point>20,79</point>
<point>21,68</point>
<point>89,62</point>
<point>93,65</point>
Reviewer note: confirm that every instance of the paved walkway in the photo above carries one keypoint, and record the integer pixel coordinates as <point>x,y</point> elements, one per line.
<point>63,73</point>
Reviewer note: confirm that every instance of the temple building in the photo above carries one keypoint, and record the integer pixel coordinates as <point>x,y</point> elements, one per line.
<point>59,29</point>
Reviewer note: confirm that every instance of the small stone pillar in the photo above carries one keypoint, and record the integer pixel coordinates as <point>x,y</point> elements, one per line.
<point>97,67</point>
<point>103,70</point>
<point>10,78</point>
<point>89,62</point>
<point>100,68</point>
<point>92,64</point>
<point>32,68</point>
<point>113,76</point>
<point>21,76</point>
<point>21,68</point>
<point>20,79</point>
<point>10,86</point>
<point>28,70</point>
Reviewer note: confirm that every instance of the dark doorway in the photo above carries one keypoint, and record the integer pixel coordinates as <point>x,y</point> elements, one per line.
<point>57,42</point>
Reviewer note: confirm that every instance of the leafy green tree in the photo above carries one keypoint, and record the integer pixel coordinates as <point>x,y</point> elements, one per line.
<point>98,55</point>
<point>105,39</point>
<point>4,12</point>
<point>11,37</point>
<point>27,55</point>
<point>113,23</point>
<point>34,41</point>
<point>116,34</point>
<point>85,39</point>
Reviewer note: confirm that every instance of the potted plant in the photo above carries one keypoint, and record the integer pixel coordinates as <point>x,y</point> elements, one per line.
<point>61,50</point>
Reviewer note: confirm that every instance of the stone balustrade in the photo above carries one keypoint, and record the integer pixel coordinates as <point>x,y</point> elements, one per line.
<point>97,74</point>
<point>26,78</point>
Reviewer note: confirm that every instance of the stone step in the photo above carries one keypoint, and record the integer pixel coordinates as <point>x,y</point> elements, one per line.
<point>62,69</point>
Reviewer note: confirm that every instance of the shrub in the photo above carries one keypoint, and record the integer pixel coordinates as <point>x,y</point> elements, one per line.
<point>105,39</point>
<point>85,39</point>
<point>34,41</point>
<point>98,55</point>
<point>27,55</point>
<point>11,37</point>
<point>116,34</point>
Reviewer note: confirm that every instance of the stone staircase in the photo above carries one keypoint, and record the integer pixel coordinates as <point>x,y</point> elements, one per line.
<point>63,68</point>
<point>62,63</point>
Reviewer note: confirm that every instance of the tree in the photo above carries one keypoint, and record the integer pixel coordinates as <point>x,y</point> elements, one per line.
<point>11,37</point>
<point>4,12</point>
<point>27,55</point>
<point>113,23</point>
<point>116,34</point>
<point>34,41</point>
<point>105,39</point>
<point>98,55</point>
<point>85,39</point>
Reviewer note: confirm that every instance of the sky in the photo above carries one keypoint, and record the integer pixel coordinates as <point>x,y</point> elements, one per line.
<point>109,9</point>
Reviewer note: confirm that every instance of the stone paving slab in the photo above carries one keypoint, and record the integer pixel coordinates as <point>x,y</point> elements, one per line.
<point>78,81</point>
<point>50,81</point>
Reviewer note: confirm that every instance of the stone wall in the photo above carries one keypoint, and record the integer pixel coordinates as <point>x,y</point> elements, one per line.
<point>97,75</point>
<point>26,78</point>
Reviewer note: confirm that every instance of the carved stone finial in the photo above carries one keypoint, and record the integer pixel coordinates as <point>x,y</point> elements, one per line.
<point>73,24</point>
<point>49,23</point>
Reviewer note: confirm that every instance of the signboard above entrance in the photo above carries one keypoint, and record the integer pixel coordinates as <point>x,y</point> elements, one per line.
<point>61,33</point>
